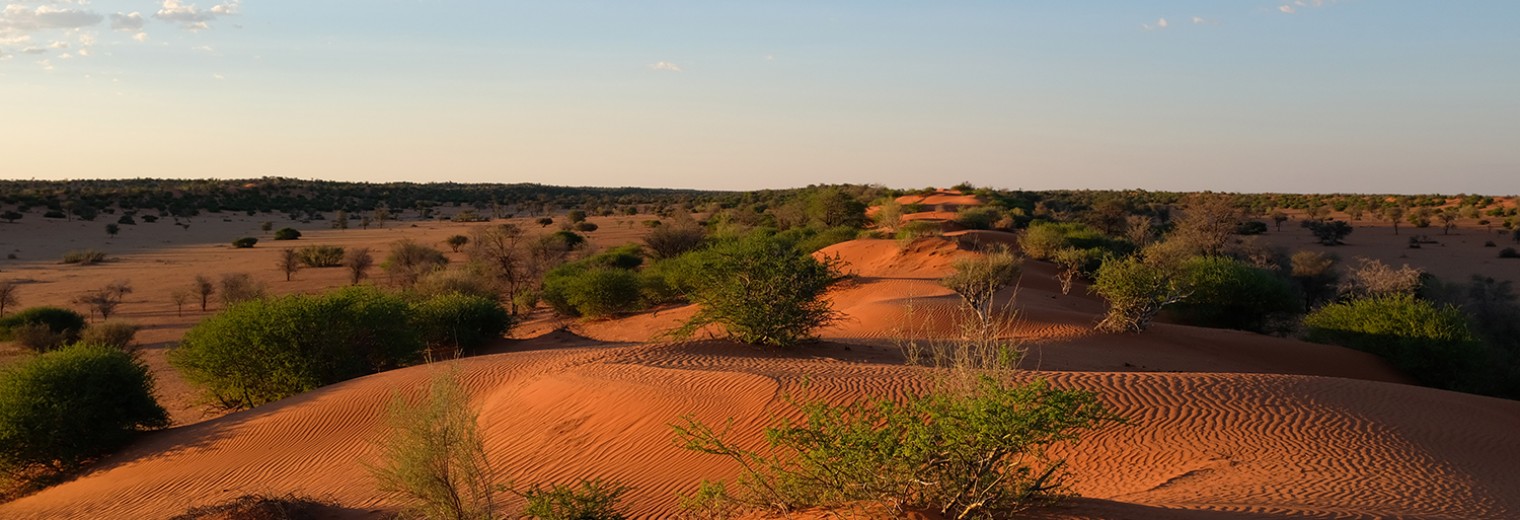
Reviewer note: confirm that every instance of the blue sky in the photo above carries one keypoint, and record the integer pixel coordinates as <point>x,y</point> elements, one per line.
<point>1352,95</point>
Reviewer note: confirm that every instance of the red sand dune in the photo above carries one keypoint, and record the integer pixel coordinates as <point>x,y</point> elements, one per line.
<point>1222,424</point>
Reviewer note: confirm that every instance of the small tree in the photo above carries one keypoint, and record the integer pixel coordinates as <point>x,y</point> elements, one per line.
<point>289,262</point>
<point>457,241</point>
<point>244,243</point>
<point>674,240</point>
<point>266,227</point>
<point>1329,232</point>
<point>240,287</point>
<point>978,280</point>
<point>8,295</point>
<point>10,216</point>
<point>112,229</point>
<point>1278,218</point>
<point>409,261</point>
<point>105,300</point>
<point>763,291</point>
<point>180,297</point>
<point>433,454</point>
<point>358,261</point>
<point>287,234</point>
<point>545,222</point>
<point>1136,292</point>
<point>203,288</point>
<point>1316,276</point>
<point>576,216</point>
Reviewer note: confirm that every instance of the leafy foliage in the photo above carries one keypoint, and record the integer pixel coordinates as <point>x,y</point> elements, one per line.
<point>1135,292</point>
<point>287,234</point>
<point>1431,342</point>
<point>590,500</point>
<point>978,453</point>
<point>761,290</point>
<point>1225,292</point>
<point>432,453</point>
<point>42,328</point>
<point>264,350</point>
<point>460,321</point>
<point>64,407</point>
<point>320,256</point>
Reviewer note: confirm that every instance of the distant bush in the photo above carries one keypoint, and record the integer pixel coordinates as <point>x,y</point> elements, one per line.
<point>672,241</point>
<point>456,241</point>
<point>585,227</point>
<point>245,242</point>
<point>915,229</point>
<point>459,321</point>
<point>810,239</point>
<point>1251,227</point>
<point>84,257</point>
<point>409,261</point>
<point>470,281</point>
<point>1224,292</point>
<point>762,291</point>
<point>114,334</point>
<point>1328,232</point>
<point>977,454</point>
<point>1509,252</point>
<point>287,234</point>
<point>265,350</point>
<point>54,214</point>
<point>240,287</point>
<point>59,409</point>
<point>1041,240</point>
<point>1430,342</point>
<point>320,256</point>
<point>42,328</point>
<point>978,217</point>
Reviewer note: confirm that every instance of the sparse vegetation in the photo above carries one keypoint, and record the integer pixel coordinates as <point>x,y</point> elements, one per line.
<point>287,234</point>
<point>358,262</point>
<point>1136,292</point>
<point>289,262</point>
<point>456,241</point>
<point>41,329</point>
<point>9,295</point>
<point>237,288</point>
<point>320,256</point>
<point>432,454</point>
<point>114,334</point>
<point>244,243</point>
<point>103,301</point>
<point>84,257</point>
<point>978,453</point>
<point>409,261</point>
<point>590,500</point>
<point>260,507</point>
<point>762,291</point>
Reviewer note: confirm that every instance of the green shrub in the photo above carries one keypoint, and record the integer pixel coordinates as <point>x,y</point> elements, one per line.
<point>114,334</point>
<point>592,291</point>
<point>966,454</point>
<point>264,350</point>
<point>673,241</point>
<point>1135,292</point>
<point>629,256</point>
<point>432,454</point>
<point>591,500</point>
<point>977,280</point>
<point>287,234</point>
<point>811,239</point>
<point>471,281</point>
<point>244,243</point>
<point>461,321</point>
<point>84,257</point>
<point>978,217</point>
<point>1225,292</point>
<point>42,328</point>
<point>59,409</point>
<point>915,229</point>
<point>1041,240</point>
<point>762,291</point>
<point>409,261</point>
<point>1430,342</point>
<point>320,256</point>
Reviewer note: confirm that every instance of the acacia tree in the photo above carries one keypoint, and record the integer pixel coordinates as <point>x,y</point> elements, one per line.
<point>105,300</point>
<point>289,262</point>
<point>1136,292</point>
<point>8,298</point>
<point>203,288</point>
<point>500,249</point>
<point>358,261</point>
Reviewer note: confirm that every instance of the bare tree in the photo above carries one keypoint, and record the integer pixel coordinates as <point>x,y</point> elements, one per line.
<point>8,297</point>
<point>105,300</point>
<point>289,262</point>
<point>203,287</point>
<point>1394,214</point>
<point>500,249</point>
<point>240,287</point>
<point>358,261</point>
<point>1207,223</point>
<point>180,297</point>
<point>1140,229</point>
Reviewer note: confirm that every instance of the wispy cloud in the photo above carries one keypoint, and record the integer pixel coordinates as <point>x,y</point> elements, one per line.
<point>1160,24</point>
<point>192,17</point>
<point>665,66</point>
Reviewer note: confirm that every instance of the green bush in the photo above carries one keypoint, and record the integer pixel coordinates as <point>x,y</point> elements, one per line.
<point>591,500</point>
<point>84,257</point>
<point>264,350</point>
<point>287,234</point>
<point>472,281</point>
<point>673,241</point>
<point>592,291</point>
<point>1430,342</point>
<point>762,291</point>
<point>244,243</point>
<point>320,256</point>
<point>915,229</point>
<point>59,409</point>
<point>810,239</point>
<point>409,261</point>
<point>1225,292</point>
<point>1135,292</point>
<point>42,328</point>
<point>461,321</point>
<point>432,454</point>
<point>966,454</point>
<point>1041,240</point>
<point>978,217</point>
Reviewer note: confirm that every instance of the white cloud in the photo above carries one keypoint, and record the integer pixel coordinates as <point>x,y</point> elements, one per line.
<point>665,66</point>
<point>130,22</point>
<point>194,18</point>
<point>1288,9</point>
<point>218,77</point>
<point>1160,24</point>
<point>140,37</point>
<point>1199,20</point>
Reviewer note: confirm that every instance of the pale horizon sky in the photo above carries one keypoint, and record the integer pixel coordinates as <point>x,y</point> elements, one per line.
<point>1258,96</point>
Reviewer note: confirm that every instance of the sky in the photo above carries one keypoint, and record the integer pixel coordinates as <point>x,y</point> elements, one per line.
<point>1381,96</point>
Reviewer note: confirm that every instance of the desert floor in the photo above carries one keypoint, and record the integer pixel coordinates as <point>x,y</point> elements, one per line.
<point>1221,424</point>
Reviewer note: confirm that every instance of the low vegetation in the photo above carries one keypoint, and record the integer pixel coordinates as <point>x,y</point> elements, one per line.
<point>320,256</point>
<point>261,507</point>
<point>977,453</point>
<point>761,290</point>
<point>62,408</point>
<point>1136,292</point>
<point>84,257</point>
<point>41,329</point>
<point>1430,342</point>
